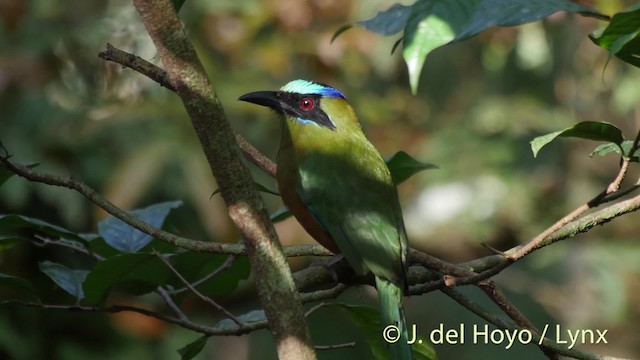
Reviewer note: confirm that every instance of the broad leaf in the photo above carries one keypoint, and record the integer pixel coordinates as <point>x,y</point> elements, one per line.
<point>7,242</point>
<point>18,225</point>
<point>599,131</point>
<point>368,321</point>
<point>69,280</point>
<point>196,266</point>
<point>259,187</point>
<point>189,351</point>
<point>621,37</point>
<point>622,149</point>
<point>281,214</point>
<point>16,283</point>
<point>388,22</point>
<point>124,237</point>
<point>402,166</point>
<point>250,317</point>
<point>225,282</point>
<point>177,4</point>
<point>142,272</point>
<point>434,23</point>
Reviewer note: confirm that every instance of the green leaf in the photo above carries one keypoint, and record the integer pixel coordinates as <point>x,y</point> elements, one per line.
<point>434,23</point>
<point>259,187</point>
<point>621,37</point>
<point>402,166</point>
<point>622,149</point>
<point>18,225</point>
<point>389,22</point>
<point>16,283</point>
<point>5,173</point>
<point>69,280</point>
<point>177,4</point>
<point>225,282</point>
<point>338,32</point>
<point>281,215</point>
<point>368,321</point>
<point>124,237</point>
<point>142,272</point>
<point>250,317</point>
<point>189,351</point>
<point>591,130</point>
<point>7,242</point>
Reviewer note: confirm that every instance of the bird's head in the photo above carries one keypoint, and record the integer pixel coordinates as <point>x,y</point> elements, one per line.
<point>306,102</point>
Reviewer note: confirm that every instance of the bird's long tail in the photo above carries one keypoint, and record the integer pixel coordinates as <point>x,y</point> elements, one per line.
<point>392,313</point>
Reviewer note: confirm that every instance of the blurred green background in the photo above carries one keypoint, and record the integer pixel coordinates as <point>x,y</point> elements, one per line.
<point>479,104</point>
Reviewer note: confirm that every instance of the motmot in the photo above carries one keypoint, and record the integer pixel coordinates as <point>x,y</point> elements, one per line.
<point>339,188</point>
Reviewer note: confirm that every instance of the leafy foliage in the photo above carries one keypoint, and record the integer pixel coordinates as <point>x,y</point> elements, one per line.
<point>621,37</point>
<point>599,131</point>
<point>430,24</point>
<point>190,350</point>
<point>127,239</point>
<point>402,167</point>
<point>368,321</point>
<point>67,279</point>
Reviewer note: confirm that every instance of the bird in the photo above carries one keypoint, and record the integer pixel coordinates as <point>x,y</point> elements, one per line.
<point>338,186</point>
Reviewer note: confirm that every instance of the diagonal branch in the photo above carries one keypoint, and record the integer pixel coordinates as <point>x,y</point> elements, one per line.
<point>160,76</point>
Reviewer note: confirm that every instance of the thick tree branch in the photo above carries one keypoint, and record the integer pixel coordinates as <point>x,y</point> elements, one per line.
<point>276,290</point>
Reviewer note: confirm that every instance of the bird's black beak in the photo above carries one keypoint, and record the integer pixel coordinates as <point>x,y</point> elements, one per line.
<point>264,98</point>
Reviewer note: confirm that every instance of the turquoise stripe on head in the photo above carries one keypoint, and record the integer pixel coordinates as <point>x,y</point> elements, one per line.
<point>309,87</point>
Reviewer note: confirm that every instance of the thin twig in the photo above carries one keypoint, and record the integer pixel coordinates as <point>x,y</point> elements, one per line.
<point>333,347</point>
<point>502,324</point>
<point>205,330</point>
<point>69,244</point>
<point>225,265</point>
<point>171,304</point>
<point>189,244</point>
<point>202,297</point>
<point>160,76</point>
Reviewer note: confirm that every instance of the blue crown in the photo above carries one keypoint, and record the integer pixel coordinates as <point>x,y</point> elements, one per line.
<point>310,87</point>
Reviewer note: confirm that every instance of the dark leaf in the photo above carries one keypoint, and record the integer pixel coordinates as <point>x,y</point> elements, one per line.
<point>388,22</point>
<point>621,37</point>
<point>368,321</point>
<point>7,242</point>
<point>124,237</point>
<point>18,225</point>
<point>69,280</point>
<point>604,149</point>
<point>338,32</point>
<point>250,317</point>
<point>280,215</point>
<point>259,187</point>
<point>402,166</point>
<point>16,283</point>
<point>191,350</point>
<point>144,271</point>
<point>177,4</point>
<point>434,23</point>
<point>227,281</point>
<point>591,130</point>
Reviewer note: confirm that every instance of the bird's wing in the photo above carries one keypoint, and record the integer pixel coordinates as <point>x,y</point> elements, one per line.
<point>357,203</point>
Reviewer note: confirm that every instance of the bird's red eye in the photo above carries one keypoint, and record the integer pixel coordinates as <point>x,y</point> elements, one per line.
<point>306,104</point>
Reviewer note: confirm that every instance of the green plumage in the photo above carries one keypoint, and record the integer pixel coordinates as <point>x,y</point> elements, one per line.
<point>340,189</point>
